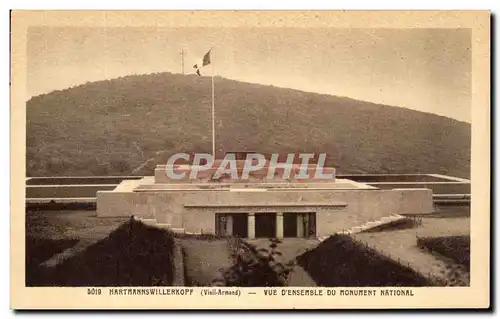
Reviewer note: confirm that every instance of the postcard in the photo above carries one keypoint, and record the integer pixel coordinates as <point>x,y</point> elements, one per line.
<point>250,159</point>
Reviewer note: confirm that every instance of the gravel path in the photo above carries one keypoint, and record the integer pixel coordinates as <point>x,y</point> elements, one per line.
<point>402,245</point>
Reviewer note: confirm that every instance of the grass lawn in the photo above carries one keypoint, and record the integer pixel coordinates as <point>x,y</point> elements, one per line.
<point>342,261</point>
<point>49,233</point>
<point>449,211</point>
<point>82,225</point>
<point>79,249</point>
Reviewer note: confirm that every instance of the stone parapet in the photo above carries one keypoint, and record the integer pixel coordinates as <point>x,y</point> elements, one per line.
<point>208,175</point>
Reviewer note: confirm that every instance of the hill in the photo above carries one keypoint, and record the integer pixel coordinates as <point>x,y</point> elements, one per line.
<point>112,127</point>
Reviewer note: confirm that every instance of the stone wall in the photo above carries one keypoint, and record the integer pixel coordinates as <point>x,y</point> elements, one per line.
<point>161,176</point>
<point>436,187</point>
<point>78,180</point>
<point>65,191</point>
<point>194,211</point>
<point>178,261</point>
<point>346,209</point>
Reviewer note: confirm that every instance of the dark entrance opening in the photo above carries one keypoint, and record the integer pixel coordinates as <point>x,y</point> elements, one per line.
<point>231,225</point>
<point>289,225</point>
<point>308,229</point>
<point>265,225</point>
<point>240,225</point>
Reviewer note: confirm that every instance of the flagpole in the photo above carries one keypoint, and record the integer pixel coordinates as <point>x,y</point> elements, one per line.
<point>213,108</point>
<point>182,61</point>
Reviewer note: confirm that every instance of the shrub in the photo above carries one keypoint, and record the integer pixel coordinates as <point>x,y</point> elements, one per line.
<point>134,254</point>
<point>403,223</point>
<point>342,261</point>
<point>456,248</point>
<point>256,267</point>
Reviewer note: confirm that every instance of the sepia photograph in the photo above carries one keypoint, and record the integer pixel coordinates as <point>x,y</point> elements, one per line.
<point>236,158</point>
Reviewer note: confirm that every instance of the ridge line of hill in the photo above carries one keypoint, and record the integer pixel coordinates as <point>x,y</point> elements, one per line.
<point>244,82</point>
<point>95,128</point>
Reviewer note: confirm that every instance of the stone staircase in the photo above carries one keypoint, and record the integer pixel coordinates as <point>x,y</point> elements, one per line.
<point>154,223</point>
<point>366,226</point>
<point>351,231</point>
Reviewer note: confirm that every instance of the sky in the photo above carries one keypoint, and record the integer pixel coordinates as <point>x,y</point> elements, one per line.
<point>427,70</point>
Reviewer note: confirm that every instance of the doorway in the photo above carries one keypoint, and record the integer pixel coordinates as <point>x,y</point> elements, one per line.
<point>265,225</point>
<point>231,225</point>
<point>290,225</point>
<point>301,225</point>
<point>240,225</point>
<point>306,225</point>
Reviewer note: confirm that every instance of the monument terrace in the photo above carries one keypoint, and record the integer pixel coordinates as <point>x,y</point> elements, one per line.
<point>264,204</point>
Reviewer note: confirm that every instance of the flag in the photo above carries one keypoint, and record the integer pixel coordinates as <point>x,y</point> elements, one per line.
<point>206,61</point>
<point>206,58</point>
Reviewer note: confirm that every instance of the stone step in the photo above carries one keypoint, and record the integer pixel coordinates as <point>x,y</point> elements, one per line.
<point>390,218</point>
<point>364,227</point>
<point>178,230</point>
<point>190,233</point>
<point>163,226</point>
<point>148,221</point>
<point>155,223</point>
<point>371,224</point>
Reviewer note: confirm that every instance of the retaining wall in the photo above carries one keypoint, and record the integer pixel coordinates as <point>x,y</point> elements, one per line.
<point>78,180</point>
<point>65,191</point>
<point>437,188</point>
<point>335,209</point>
